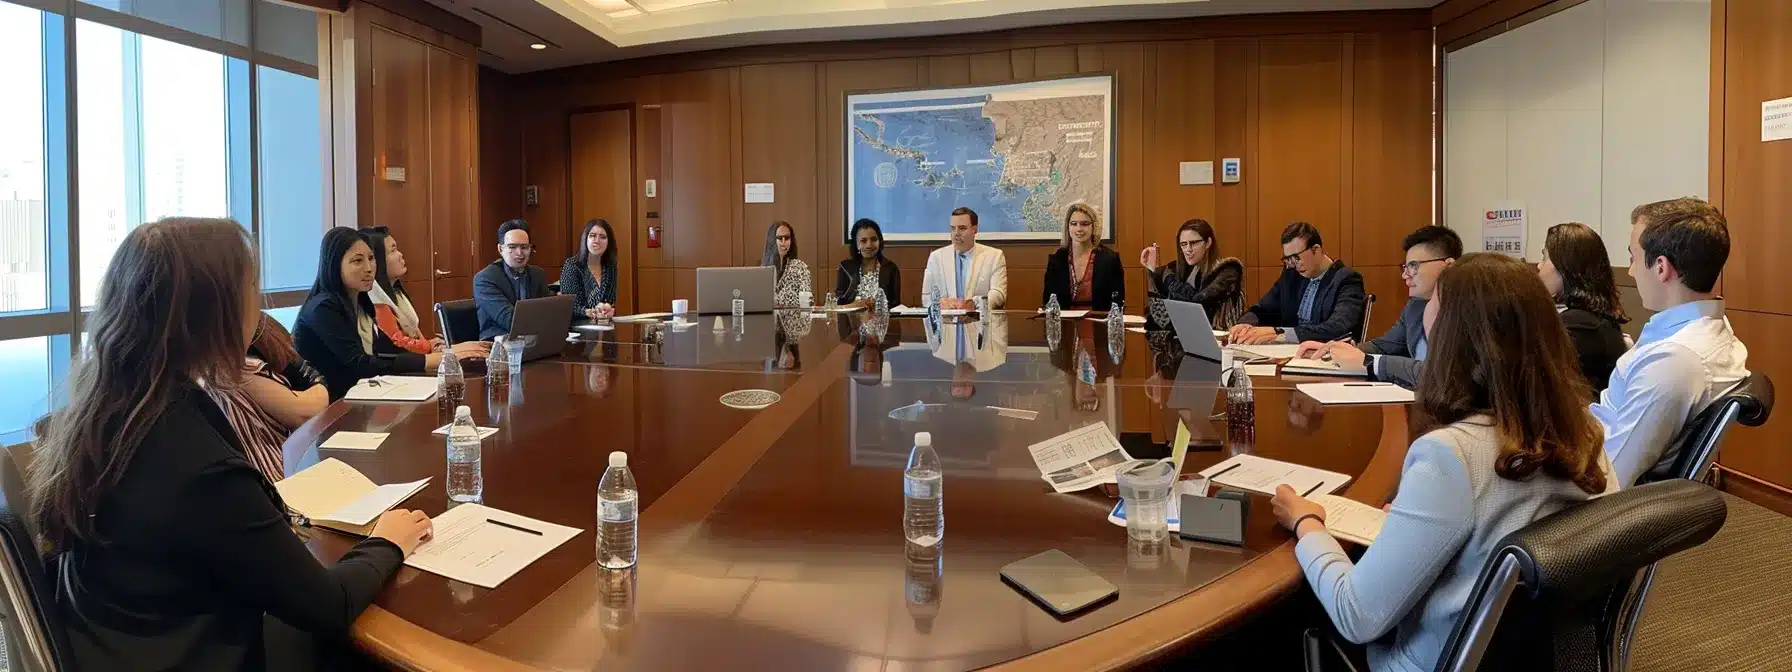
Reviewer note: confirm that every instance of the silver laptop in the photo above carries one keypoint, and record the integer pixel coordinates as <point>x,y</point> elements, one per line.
<point>1193,329</point>
<point>547,319</point>
<point>716,288</point>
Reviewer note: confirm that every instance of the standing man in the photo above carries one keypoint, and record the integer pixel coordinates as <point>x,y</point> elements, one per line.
<point>965,269</point>
<point>1687,357</point>
<point>510,279</point>
<point>1399,356</point>
<point>1316,299</point>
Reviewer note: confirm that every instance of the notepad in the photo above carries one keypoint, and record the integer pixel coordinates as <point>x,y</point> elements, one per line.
<point>335,495</point>
<point>483,431</point>
<point>393,388</point>
<point>1265,350</point>
<point>355,440</point>
<point>483,546</point>
<point>1356,393</point>
<point>1351,520</point>
<point>1322,367</point>
<point>1262,475</point>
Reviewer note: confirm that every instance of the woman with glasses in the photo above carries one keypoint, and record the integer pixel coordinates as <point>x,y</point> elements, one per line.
<point>793,275</point>
<point>1198,275</point>
<point>1083,273</point>
<point>866,272</point>
<point>1578,273</point>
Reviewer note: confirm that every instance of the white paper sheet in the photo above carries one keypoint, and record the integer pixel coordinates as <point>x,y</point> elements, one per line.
<point>1356,393</point>
<point>1265,351</point>
<point>1262,475</point>
<point>468,547</point>
<point>375,502</point>
<point>1130,319</point>
<point>640,317</point>
<point>355,440</point>
<point>483,431</point>
<point>1259,369</point>
<point>393,388</point>
<point>1081,458</point>
<point>1351,520</point>
<point>906,311</point>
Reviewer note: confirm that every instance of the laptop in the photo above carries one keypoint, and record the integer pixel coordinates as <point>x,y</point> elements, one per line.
<point>716,287</point>
<point>1193,329</point>
<point>547,319</point>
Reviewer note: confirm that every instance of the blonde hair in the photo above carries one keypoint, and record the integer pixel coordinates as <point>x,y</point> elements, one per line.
<point>1094,219</point>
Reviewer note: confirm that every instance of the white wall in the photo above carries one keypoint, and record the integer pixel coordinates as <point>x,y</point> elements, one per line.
<point>1579,117</point>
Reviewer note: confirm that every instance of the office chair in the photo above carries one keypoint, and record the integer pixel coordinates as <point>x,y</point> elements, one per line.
<point>1362,335</point>
<point>35,637</point>
<point>1542,597</point>
<point>459,320</point>
<point>1750,403</point>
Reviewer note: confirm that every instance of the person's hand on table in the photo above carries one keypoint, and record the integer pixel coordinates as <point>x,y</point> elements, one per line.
<point>436,343</point>
<point>1291,508</point>
<point>956,304</point>
<point>472,349</point>
<point>605,311</point>
<point>1245,334</point>
<point>405,528</point>
<point>1344,353</point>
<point>1312,349</point>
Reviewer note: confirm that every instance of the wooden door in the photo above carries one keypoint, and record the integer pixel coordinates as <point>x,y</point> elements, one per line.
<point>456,243</point>
<point>603,188</point>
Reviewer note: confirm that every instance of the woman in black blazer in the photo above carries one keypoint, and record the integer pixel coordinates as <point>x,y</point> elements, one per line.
<point>1083,273</point>
<point>1578,273</point>
<point>852,285</point>
<point>168,549</point>
<point>335,331</point>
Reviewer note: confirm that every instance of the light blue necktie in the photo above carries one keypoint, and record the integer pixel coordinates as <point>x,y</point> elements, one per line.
<point>964,259</point>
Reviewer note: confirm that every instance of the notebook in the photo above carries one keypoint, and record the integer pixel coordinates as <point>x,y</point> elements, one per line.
<point>1322,367</point>
<point>1351,520</point>
<point>393,388</point>
<point>334,495</point>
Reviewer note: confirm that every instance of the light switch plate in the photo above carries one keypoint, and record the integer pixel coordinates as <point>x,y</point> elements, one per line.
<point>653,188</point>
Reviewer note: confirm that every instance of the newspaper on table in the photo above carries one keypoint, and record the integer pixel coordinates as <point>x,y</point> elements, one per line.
<point>1081,458</point>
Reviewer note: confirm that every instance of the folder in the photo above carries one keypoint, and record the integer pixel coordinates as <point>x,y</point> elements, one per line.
<point>335,495</point>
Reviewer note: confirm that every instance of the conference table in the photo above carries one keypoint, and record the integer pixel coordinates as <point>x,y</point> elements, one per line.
<point>772,538</point>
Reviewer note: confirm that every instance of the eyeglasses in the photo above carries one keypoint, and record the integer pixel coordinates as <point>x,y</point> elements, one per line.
<point>1190,244</point>
<point>1289,260</point>
<point>518,247</point>
<point>1412,267</point>
<point>783,239</point>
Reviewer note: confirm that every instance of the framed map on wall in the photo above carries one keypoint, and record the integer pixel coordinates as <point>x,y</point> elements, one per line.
<point>1017,154</point>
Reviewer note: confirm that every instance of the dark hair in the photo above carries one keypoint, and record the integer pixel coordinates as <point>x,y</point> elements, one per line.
<point>1094,221</point>
<point>376,237</point>
<point>170,314</point>
<point>961,210</point>
<point>336,244</point>
<point>861,225</point>
<point>512,225</point>
<point>608,260</point>
<point>273,344</point>
<point>1579,257</point>
<point>1205,231</point>
<point>771,256</point>
<point>1691,233</point>
<point>1441,239</point>
<point>1303,231</point>
<point>1499,348</point>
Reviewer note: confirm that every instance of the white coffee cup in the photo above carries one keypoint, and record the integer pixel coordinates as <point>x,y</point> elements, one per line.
<point>681,306</point>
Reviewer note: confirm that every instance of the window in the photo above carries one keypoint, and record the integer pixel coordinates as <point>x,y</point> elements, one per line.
<point>110,205</point>
<point>25,370</point>
<point>292,187</point>
<point>24,227</point>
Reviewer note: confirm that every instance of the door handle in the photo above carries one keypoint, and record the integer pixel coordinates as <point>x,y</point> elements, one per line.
<point>440,272</point>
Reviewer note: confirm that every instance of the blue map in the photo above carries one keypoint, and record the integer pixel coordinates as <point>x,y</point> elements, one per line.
<point>1018,158</point>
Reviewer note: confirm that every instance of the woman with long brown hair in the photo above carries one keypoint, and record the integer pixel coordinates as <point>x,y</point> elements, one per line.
<point>169,548</point>
<point>1509,441</point>
<point>1083,273</point>
<point>1198,275</point>
<point>1578,273</point>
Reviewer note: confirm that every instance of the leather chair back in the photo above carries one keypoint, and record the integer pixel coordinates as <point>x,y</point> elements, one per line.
<point>36,640</point>
<point>459,320</point>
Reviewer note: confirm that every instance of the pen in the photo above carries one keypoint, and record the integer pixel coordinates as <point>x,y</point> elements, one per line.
<point>1310,490</point>
<point>501,523</point>
<point>1222,472</point>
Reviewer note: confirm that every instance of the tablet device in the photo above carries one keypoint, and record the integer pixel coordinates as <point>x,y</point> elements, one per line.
<point>1218,519</point>
<point>1058,582</point>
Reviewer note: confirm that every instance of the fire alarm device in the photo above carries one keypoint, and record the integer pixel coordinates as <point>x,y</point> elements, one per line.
<point>653,236</point>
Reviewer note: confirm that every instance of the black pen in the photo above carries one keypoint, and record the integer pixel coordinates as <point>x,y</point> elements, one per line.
<point>1222,472</point>
<point>501,523</point>
<point>1310,490</point>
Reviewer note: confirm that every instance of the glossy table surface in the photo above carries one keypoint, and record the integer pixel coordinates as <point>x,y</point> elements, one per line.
<point>772,539</point>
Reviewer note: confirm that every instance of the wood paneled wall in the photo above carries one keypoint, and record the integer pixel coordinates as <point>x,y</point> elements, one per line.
<point>1331,114</point>
<point>1752,45</point>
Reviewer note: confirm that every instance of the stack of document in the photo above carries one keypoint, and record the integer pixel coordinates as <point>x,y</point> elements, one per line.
<point>483,546</point>
<point>335,495</point>
<point>1356,393</point>
<point>393,388</point>
<point>1321,367</point>
<point>1351,520</point>
<point>1262,475</point>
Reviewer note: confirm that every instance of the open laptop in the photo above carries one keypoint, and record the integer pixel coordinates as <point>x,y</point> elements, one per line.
<point>547,319</point>
<point>716,287</point>
<point>1193,329</point>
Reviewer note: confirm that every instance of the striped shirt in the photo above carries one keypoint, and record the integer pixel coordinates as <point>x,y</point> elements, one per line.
<point>261,434</point>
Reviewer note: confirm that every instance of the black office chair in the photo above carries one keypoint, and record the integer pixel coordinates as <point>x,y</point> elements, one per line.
<point>1543,596</point>
<point>459,320</point>
<point>35,637</point>
<point>1750,404</point>
<point>1362,335</point>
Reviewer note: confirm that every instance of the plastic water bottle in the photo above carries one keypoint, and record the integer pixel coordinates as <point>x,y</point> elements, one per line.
<point>829,303</point>
<point>1116,318</point>
<point>1052,311</point>
<point>738,306</point>
<point>933,310</point>
<point>617,510</point>
<point>923,518</point>
<point>466,482</point>
<point>497,365</point>
<point>451,383</point>
<point>1241,408</point>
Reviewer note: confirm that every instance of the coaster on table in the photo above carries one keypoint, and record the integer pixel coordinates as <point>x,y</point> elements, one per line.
<point>750,400</point>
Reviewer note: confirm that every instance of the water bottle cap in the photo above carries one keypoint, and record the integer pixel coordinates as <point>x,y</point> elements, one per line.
<point>923,439</point>
<point>462,412</point>
<point>618,459</point>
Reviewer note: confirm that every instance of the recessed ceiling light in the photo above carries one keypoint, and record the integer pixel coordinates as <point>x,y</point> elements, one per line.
<point>538,46</point>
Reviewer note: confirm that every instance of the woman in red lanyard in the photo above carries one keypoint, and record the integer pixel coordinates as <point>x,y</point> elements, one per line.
<point>1084,274</point>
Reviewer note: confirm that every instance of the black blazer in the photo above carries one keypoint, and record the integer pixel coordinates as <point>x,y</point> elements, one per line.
<point>1337,310</point>
<point>496,298</point>
<point>1110,277</point>
<point>846,281</point>
<point>197,548</point>
<point>1599,343</point>
<point>325,335</point>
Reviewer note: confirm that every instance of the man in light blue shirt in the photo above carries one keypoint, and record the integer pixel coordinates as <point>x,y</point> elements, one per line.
<point>1687,356</point>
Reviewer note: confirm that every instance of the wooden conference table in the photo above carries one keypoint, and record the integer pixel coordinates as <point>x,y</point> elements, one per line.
<point>772,539</point>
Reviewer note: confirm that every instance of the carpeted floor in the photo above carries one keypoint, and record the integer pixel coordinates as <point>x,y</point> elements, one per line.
<point>1724,606</point>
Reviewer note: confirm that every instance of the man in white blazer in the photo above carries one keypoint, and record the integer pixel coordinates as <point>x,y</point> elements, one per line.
<point>964,269</point>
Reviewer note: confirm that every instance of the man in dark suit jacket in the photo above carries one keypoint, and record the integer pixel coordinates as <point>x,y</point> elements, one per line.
<point>1399,356</point>
<point>498,287</point>
<point>1316,299</point>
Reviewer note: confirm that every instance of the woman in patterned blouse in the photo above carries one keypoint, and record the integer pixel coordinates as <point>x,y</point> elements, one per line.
<point>590,276</point>
<point>793,274</point>
<point>867,271</point>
